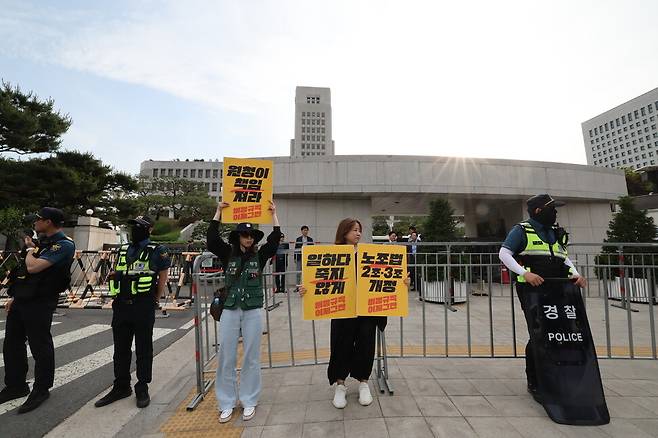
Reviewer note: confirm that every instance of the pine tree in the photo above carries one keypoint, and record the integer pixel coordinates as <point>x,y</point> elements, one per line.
<point>631,225</point>
<point>440,226</point>
<point>27,124</point>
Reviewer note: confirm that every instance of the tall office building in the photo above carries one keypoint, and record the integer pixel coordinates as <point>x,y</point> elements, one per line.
<point>624,136</point>
<point>312,123</point>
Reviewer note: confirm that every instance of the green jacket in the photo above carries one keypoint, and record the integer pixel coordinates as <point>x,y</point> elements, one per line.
<point>246,289</point>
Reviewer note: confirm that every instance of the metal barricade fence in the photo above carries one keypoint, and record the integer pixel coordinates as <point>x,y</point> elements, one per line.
<point>203,287</point>
<point>89,279</point>
<point>208,280</point>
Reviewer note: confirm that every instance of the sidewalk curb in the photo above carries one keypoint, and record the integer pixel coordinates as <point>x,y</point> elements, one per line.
<point>172,376</point>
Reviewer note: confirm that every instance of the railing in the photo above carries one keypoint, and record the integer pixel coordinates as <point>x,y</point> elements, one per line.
<point>89,279</point>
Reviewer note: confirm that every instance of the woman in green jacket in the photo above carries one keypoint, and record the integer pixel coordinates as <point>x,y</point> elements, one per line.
<point>243,265</point>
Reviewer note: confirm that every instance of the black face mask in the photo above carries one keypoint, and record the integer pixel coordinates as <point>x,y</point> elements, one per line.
<point>546,216</point>
<point>137,234</point>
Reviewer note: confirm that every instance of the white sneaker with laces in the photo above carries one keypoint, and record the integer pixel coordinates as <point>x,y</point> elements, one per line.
<point>248,413</point>
<point>225,415</point>
<point>365,398</point>
<point>339,400</point>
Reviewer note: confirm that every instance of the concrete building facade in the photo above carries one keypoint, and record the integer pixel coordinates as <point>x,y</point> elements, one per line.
<point>625,136</point>
<point>312,123</point>
<point>207,172</point>
<point>490,194</point>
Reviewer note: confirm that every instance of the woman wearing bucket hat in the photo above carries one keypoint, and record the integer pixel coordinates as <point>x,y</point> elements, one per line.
<point>243,264</point>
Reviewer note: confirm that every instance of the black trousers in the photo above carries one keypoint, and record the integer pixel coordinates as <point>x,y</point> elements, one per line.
<point>530,372</point>
<point>280,279</point>
<point>352,348</point>
<point>29,320</point>
<point>128,321</point>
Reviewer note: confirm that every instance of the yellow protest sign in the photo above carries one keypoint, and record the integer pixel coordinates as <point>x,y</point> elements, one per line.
<point>247,187</point>
<point>329,275</point>
<point>382,270</point>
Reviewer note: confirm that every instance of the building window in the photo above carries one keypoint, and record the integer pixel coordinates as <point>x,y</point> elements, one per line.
<point>208,174</point>
<point>192,173</point>
<point>184,173</point>
<point>214,187</point>
<point>642,111</point>
<point>170,172</point>
<point>215,173</point>
<point>155,173</point>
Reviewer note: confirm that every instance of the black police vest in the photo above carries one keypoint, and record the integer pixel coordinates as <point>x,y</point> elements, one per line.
<point>47,284</point>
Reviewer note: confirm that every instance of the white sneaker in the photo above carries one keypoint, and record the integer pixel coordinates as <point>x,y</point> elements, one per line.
<point>225,415</point>
<point>365,398</point>
<point>248,413</point>
<point>339,397</point>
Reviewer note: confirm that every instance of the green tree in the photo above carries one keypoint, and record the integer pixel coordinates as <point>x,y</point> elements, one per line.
<point>11,223</point>
<point>72,181</point>
<point>630,224</point>
<point>441,225</point>
<point>635,185</point>
<point>187,199</point>
<point>29,125</point>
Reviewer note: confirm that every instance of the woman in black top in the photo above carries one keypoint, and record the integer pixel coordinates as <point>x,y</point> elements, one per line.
<point>352,339</point>
<point>243,265</point>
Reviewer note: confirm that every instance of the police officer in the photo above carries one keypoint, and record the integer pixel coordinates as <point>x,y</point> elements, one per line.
<point>541,246</point>
<point>137,283</point>
<point>34,290</point>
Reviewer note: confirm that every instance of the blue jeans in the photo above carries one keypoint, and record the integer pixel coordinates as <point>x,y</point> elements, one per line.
<point>232,322</point>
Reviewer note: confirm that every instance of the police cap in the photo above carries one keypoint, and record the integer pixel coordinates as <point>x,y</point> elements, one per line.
<point>50,213</point>
<point>144,221</point>
<point>541,201</point>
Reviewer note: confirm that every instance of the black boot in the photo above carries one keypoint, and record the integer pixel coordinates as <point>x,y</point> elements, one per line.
<point>143,399</point>
<point>114,395</point>
<point>8,393</point>
<point>34,400</point>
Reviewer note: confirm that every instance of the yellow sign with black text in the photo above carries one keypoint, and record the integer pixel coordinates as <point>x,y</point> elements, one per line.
<point>329,276</point>
<point>382,270</point>
<point>247,187</point>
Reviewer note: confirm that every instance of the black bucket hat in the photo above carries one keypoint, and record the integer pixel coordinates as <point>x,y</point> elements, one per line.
<point>248,228</point>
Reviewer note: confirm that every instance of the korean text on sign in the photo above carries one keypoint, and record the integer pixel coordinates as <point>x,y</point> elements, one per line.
<point>382,270</point>
<point>329,275</point>
<point>247,187</point>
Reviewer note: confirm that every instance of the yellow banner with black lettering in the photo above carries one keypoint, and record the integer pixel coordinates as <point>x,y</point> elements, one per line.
<point>381,290</point>
<point>247,186</point>
<point>329,276</point>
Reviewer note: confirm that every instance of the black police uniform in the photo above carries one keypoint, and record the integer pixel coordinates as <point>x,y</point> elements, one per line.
<point>134,316</point>
<point>35,297</point>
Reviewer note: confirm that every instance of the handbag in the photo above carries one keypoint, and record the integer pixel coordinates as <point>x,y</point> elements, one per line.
<point>217,305</point>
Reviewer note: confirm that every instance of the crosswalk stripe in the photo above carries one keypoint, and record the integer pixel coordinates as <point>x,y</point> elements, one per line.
<point>2,332</point>
<point>72,336</point>
<point>78,368</point>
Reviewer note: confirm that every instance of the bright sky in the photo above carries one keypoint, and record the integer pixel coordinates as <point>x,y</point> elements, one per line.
<point>208,79</point>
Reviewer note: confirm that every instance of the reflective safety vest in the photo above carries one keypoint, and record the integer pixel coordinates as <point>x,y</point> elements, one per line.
<point>135,278</point>
<point>244,284</point>
<point>542,258</point>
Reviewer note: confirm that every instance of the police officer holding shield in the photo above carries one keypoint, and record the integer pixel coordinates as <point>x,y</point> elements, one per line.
<point>140,275</point>
<point>35,285</point>
<point>541,247</point>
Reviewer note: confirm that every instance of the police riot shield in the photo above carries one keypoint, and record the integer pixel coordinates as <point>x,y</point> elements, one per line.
<point>568,377</point>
